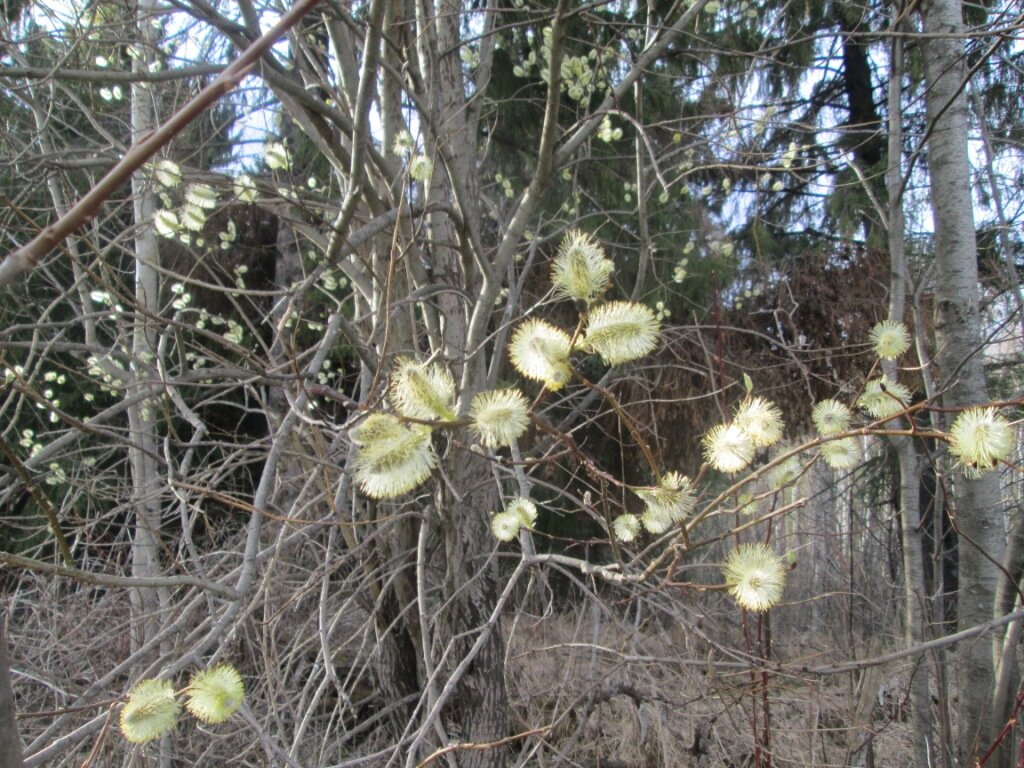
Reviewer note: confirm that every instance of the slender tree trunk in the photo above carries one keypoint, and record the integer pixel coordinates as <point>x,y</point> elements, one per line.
<point>144,447</point>
<point>1007,672</point>
<point>10,741</point>
<point>961,375</point>
<point>915,613</point>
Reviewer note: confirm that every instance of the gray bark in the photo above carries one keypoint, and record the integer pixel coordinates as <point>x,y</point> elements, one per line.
<point>958,358</point>
<point>479,707</point>
<point>10,742</point>
<point>145,445</point>
<point>1007,672</point>
<point>915,613</point>
<point>471,591</point>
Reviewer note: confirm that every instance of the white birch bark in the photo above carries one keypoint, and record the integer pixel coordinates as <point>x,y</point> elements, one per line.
<point>915,613</point>
<point>144,446</point>
<point>958,357</point>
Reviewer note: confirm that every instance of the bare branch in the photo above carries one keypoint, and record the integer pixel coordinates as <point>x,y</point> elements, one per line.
<point>111,580</point>
<point>26,257</point>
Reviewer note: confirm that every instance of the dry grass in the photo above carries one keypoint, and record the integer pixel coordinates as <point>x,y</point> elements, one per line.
<point>658,698</point>
<point>610,690</point>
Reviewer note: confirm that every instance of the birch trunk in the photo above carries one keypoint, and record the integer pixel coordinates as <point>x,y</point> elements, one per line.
<point>915,613</point>
<point>958,359</point>
<point>144,446</point>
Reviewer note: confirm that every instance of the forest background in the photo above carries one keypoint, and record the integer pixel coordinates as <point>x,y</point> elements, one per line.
<point>510,383</point>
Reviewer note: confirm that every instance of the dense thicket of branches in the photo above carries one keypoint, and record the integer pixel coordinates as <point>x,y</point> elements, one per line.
<point>240,418</point>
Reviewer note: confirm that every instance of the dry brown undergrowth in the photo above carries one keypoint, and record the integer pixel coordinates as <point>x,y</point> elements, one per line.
<point>656,696</point>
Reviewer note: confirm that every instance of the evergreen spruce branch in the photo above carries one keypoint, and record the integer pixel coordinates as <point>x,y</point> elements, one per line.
<point>620,94</point>
<point>29,255</point>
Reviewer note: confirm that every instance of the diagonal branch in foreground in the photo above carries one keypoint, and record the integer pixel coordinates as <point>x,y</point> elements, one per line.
<point>29,255</point>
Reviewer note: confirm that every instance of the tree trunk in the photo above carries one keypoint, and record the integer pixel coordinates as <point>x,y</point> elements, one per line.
<point>865,124</point>
<point>144,447</point>
<point>10,741</point>
<point>958,360</point>
<point>480,705</point>
<point>396,670</point>
<point>915,595</point>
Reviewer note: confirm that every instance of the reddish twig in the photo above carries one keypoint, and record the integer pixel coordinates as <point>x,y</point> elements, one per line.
<point>99,740</point>
<point>1004,732</point>
<point>480,747</point>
